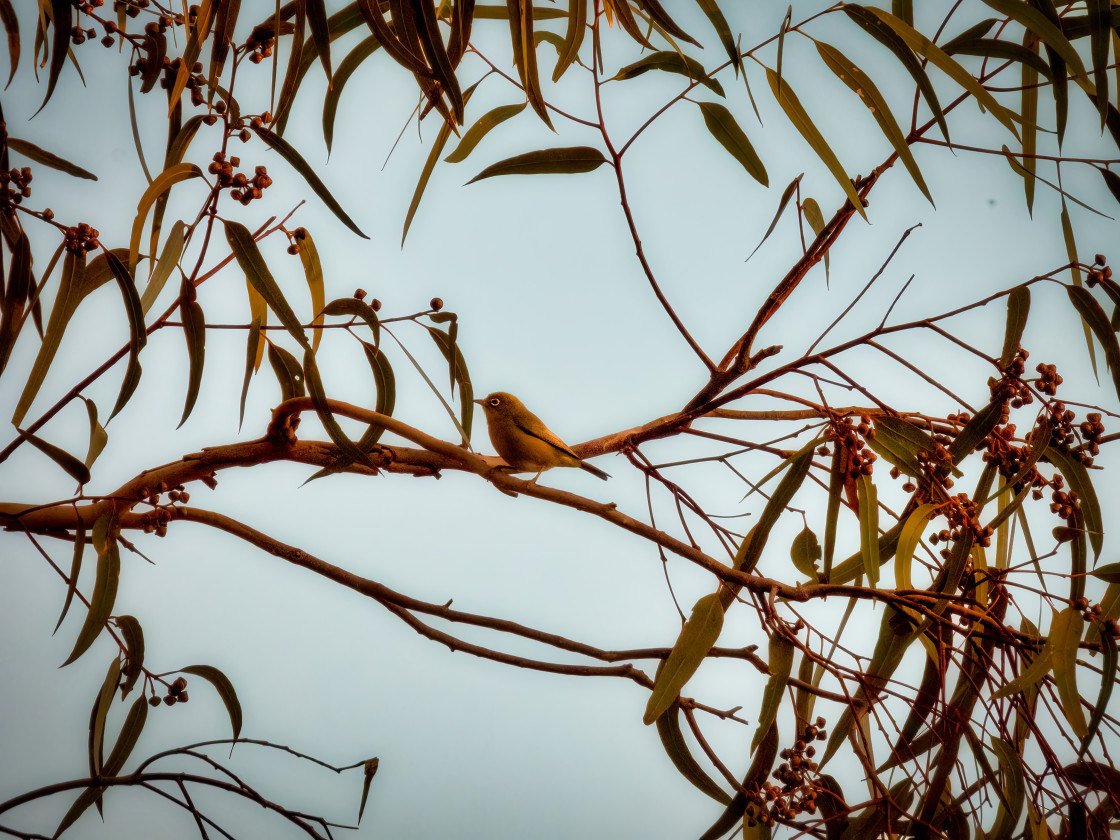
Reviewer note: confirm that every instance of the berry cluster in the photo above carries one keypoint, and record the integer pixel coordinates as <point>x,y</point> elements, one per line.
<point>80,239</point>
<point>241,187</point>
<point>130,7</point>
<point>1092,614</point>
<point>851,438</point>
<point>797,791</point>
<point>961,515</point>
<point>1099,272</point>
<point>15,186</point>
<point>176,693</point>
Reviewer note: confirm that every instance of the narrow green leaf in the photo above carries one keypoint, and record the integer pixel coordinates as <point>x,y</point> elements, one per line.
<point>313,273</point>
<point>481,128</point>
<point>320,33</point>
<point>369,770</point>
<point>671,62</point>
<point>798,469</point>
<point>1002,50</point>
<point>252,344</point>
<point>138,336</point>
<point>11,27</point>
<point>921,44</point>
<point>293,77</point>
<point>908,541</point>
<point>99,715</point>
<point>1065,634</point>
<point>13,298</point>
<point>61,18</point>
<point>815,218</point>
<point>1028,677</point>
<point>346,69</point>
<point>887,37</point>
<point>194,331</point>
<point>288,372</point>
<point>296,161</point>
<point>525,54</point>
<point>1078,479</point>
<point>1092,314</point>
<point>975,431</point>
<point>162,183</point>
<point>75,570</point>
<point>837,475</point>
<point>573,38</point>
<point>384,381</point>
<point>719,23</point>
<point>1110,572</point>
<point>33,152</point>
<point>1112,181</point>
<point>869,527</point>
<point>1018,308</point>
<point>225,690</point>
<point>697,637</point>
<point>168,259</point>
<point>128,736</point>
<point>261,279</point>
<point>791,105</point>
<point>722,126</point>
<point>786,195</point>
<point>869,95</point>
<point>104,587</point>
<point>133,637</point>
<point>559,161</point>
<point>1011,793</point>
<point>672,739</point>
<point>1029,110</point>
<point>781,661</point>
<point>75,468</point>
<point>356,309</point>
<point>322,410</point>
<point>1038,23</point>
<point>459,374</point>
<point>432,44</point>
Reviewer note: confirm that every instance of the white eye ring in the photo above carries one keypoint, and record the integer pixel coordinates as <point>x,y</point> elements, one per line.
<point>494,401</point>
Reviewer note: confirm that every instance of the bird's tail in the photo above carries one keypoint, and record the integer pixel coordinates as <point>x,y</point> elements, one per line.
<point>595,471</point>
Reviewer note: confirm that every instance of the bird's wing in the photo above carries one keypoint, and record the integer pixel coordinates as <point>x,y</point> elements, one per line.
<point>547,436</point>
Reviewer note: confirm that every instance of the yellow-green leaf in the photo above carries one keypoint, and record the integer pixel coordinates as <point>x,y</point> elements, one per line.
<point>865,89</point>
<point>1018,308</point>
<point>695,641</point>
<point>781,661</point>
<point>194,331</point>
<point>257,273</point>
<point>104,587</point>
<point>566,160</point>
<point>162,183</point>
<point>908,541</point>
<point>225,690</point>
<point>345,70</point>
<point>1065,634</point>
<point>168,259</point>
<point>791,105</point>
<point>481,128</point>
<point>672,739</point>
<point>723,127</point>
<point>671,62</point>
<point>869,526</point>
<point>75,468</point>
<point>369,770</point>
<point>33,152</point>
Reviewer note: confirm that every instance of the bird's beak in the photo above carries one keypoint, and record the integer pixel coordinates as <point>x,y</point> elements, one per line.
<point>479,402</point>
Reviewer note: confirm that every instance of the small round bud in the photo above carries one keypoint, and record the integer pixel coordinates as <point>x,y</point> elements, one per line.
<point>359,294</point>
<point>154,701</point>
<point>375,304</point>
<point>436,304</point>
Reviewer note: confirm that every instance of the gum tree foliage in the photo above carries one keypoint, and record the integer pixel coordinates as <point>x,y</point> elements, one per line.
<point>972,541</point>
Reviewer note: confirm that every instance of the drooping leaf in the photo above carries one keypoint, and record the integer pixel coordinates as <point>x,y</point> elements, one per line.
<point>137,335</point>
<point>573,38</point>
<point>75,570</point>
<point>481,128</point>
<point>525,54</point>
<point>75,468</point>
<point>133,636</point>
<point>671,62</point>
<point>1038,23</point>
<point>869,527</point>
<point>162,183</point>
<point>457,366</point>
<point>369,770</point>
<point>865,89</point>
<point>908,540</point>
<point>346,69</point>
<point>11,27</point>
<point>98,437</point>
<point>313,274</point>
<point>1078,479</point>
<point>225,690</point>
<point>837,475</point>
<point>975,431</point>
<point>672,739</point>
<point>719,23</point>
<point>920,44</point>
<point>1092,314</point>
<point>257,273</point>
<point>252,345</point>
<point>697,637</point>
<point>797,470</point>
<point>805,552</point>
<point>194,331</point>
<point>288,372</point>
<point>559,161</point>
<point>786,195</point>
<point>319,397</point>
<point>887,37</point>
<point>296,161</point>
<point>815,218</point>
<point>168,259</point>
<point>780,662</point>
<point>61,18</point>
<point>722,126</point>
<point>432,44</point>
<point>1065,634</point>
<point>1018,308</point>
<point>320,33</point>
<point>33,152</point>
<point>793,109</point>
<point>104,587</point>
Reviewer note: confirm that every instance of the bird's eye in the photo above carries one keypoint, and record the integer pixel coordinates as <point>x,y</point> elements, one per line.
<point>494,401</point>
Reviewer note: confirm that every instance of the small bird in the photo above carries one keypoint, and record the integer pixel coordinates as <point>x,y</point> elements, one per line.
<point>523,441</point>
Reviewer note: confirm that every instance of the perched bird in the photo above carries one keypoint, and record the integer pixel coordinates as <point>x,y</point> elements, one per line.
<point>523,441</point>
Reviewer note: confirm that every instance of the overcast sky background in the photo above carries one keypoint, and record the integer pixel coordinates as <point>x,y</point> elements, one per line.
<point>553,307</point>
